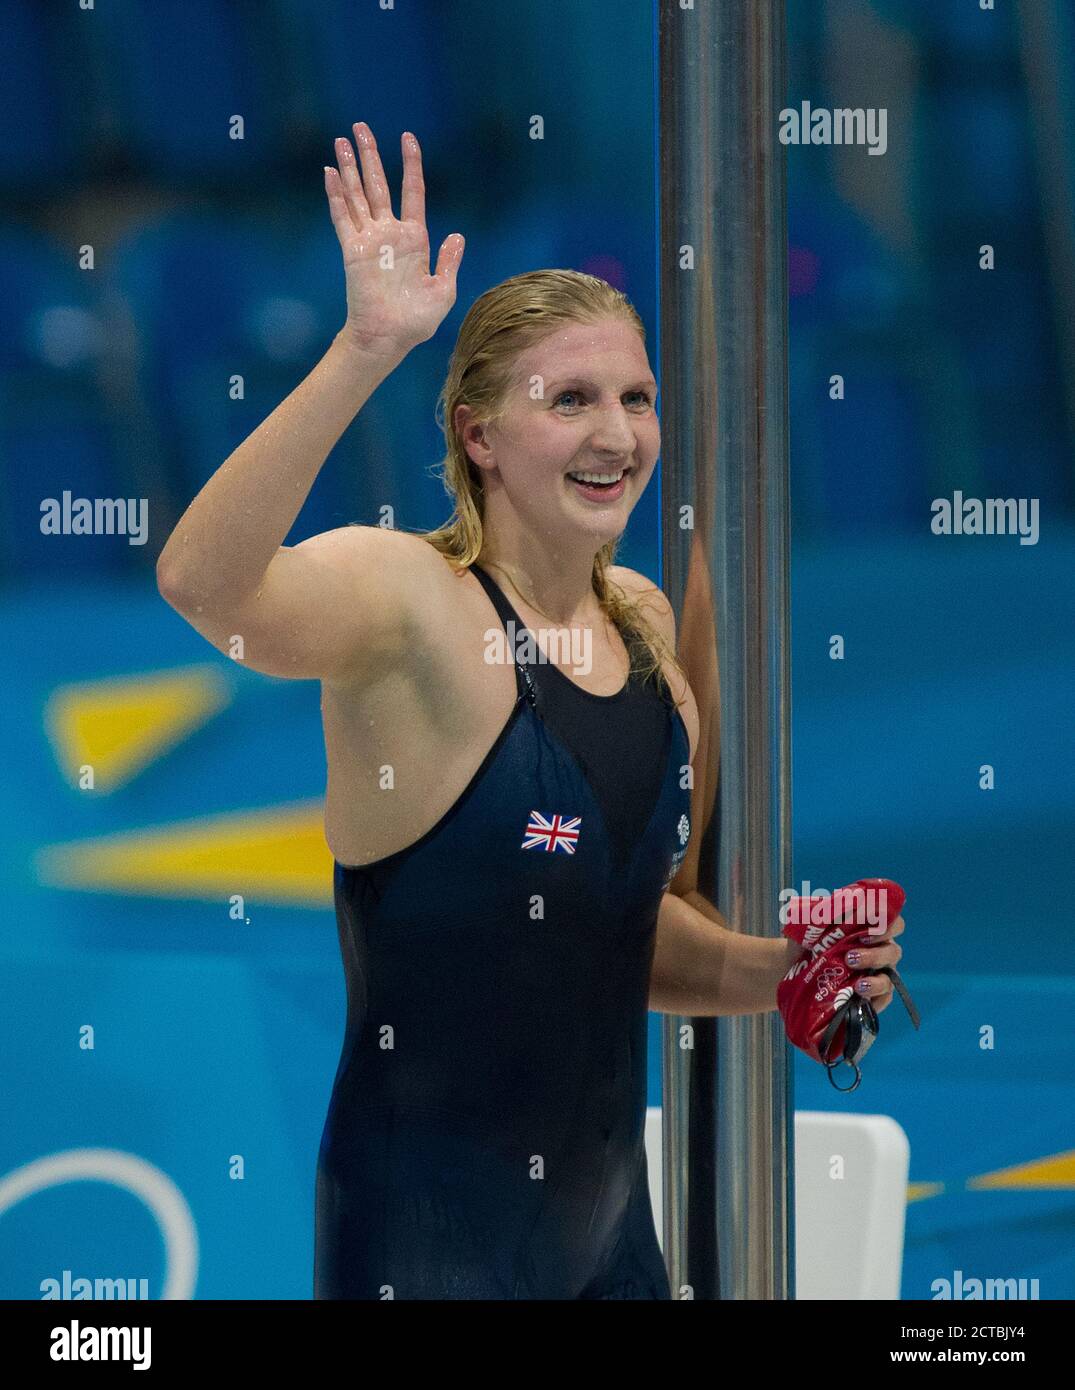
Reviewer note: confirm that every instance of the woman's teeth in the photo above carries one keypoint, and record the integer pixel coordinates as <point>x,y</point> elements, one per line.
<point>598,477</point>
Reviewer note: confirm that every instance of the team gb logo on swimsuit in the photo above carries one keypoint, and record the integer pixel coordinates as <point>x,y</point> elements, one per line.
<point>683,833</point>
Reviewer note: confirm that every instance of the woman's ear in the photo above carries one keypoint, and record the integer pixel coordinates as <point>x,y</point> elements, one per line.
<point>472,435</point>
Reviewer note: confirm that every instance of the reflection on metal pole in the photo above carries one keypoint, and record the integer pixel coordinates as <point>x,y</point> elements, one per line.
<point>723,267</point>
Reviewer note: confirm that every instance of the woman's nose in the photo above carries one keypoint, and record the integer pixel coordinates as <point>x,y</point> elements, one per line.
<point>614,431</point>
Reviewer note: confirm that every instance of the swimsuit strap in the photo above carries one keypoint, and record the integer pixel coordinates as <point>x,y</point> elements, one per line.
<point>524,681</point>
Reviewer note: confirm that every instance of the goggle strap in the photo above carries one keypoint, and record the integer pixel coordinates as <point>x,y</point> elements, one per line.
<point>901,990</point>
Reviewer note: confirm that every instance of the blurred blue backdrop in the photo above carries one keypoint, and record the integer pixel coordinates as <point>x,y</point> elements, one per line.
<point>147,258</point>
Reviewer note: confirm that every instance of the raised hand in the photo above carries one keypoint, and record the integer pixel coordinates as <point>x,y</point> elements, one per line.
<point>393,303</point>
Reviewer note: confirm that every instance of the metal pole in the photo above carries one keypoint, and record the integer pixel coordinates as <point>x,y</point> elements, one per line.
<point>724,504</point>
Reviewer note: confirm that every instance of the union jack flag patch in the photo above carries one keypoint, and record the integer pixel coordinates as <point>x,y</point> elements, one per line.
<point>552,832</point>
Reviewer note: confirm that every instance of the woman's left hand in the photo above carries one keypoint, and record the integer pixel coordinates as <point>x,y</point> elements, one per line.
<point>877,988</point>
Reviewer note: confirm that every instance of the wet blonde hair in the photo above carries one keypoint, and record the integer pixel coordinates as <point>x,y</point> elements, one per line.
<point>502,323</point>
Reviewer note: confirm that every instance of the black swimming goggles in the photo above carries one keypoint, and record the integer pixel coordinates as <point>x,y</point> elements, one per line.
<point>862,1028</point>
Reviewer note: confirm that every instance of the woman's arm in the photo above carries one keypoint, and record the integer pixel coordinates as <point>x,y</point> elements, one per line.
<point>335,604</point>
<point>301,611</point>
<point>703,968</point>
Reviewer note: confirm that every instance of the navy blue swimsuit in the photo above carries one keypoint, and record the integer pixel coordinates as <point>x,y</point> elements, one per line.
<point>484,1137</point>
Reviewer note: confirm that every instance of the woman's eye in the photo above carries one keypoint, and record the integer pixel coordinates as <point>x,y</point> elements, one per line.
<point>643,397</point>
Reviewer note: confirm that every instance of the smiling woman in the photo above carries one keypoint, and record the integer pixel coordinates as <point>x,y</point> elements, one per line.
<point>549,858</point>
<point>497,920</point>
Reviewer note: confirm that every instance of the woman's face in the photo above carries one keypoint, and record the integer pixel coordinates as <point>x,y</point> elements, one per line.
<point>581,401</point>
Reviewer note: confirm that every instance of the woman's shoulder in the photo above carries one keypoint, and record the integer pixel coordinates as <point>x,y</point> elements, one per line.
<point>360,540</point>
<point>403,557</point>
<point>650,598</point>
<point>398,572</point>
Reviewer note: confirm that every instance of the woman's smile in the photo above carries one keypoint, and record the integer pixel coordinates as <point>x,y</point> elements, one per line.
<point>599,486</point>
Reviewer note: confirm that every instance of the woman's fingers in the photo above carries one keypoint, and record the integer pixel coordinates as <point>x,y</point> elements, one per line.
<point>412,207</point>
<point>352,184</point>
<point>367,194</point>
<point>878,989</point>
<point>342,219</point>
<point>869,958</point>
<point>451,253</point>
<point>373,180</point>
<point>874,988</point>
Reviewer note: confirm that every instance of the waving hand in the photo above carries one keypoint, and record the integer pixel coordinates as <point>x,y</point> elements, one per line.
<point>393,302</point>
